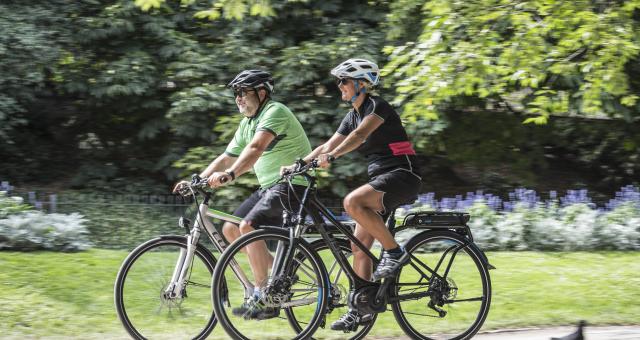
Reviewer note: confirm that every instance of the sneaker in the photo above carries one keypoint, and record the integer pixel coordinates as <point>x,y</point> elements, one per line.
<point>389,265</point>
<point>255,309</point>
<point>261,312</point>
<point>350,321</point>
<point>244,308</point>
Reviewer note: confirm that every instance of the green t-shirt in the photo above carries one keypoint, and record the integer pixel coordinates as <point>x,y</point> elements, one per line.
<point>289,144</point>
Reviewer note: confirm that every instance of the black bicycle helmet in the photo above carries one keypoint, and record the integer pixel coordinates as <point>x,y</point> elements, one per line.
<point>253,79</point>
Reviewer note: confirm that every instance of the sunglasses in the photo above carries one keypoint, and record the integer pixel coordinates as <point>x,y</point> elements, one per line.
<point>343,81</point>
<point>242,92</point>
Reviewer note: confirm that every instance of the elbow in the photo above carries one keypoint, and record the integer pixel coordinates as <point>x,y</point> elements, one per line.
<point>257,148</point>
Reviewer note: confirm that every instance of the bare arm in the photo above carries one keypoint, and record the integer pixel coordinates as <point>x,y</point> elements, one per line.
<point>357,136</point>
<point>329,145</point>
<point>251,152</point>
<point>221,163</point>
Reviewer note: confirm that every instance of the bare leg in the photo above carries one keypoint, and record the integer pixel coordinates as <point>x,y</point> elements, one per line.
<point>362,264</point>
<point>231,232</point>
<point>259,257</point>
<point>362,204</point>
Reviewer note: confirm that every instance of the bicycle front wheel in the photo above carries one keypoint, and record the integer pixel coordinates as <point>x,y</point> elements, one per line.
<point>264,315</point>
<point>340,286</point>
<point>444,292</point>
<point>141,303</point>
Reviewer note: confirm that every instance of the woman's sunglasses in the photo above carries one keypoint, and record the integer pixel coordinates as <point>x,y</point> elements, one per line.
<point>242,92</point>
<point>342,81</point>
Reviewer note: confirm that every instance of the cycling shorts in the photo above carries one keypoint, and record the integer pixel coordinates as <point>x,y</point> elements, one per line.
<point>399,186</point>
<point>265,206</point>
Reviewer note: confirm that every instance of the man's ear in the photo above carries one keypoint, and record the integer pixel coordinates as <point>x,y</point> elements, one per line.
<point>262,93</point>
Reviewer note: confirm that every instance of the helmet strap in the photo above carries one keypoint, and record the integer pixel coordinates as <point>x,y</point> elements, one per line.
<point>358,90</point>
<point>262,101</point>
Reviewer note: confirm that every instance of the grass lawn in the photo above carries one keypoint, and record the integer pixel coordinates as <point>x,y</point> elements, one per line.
<point>70,295</point>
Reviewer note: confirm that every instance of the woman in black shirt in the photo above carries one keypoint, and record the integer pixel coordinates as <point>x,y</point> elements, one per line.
<point>373,128</point>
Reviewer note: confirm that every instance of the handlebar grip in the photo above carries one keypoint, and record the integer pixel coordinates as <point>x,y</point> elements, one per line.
<point>195,178</point>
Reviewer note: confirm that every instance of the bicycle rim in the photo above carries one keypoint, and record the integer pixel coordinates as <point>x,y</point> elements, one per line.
<point>306,294</point>
<point>459,302</point>
<point>139,288</point>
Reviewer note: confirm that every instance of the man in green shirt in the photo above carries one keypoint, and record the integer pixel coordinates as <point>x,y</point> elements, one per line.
<point>268,137</point>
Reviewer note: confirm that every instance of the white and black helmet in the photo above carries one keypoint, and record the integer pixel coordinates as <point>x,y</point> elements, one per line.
<point>358,69</point>
<point>253,79</point>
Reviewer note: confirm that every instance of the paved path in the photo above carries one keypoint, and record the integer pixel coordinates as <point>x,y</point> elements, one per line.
<point>590,333</point>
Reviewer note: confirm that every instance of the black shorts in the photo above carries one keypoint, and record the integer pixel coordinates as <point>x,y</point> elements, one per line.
<point>398,187</point>
<point>264,207</point>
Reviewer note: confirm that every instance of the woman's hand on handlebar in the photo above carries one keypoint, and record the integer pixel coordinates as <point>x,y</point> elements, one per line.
<point>218,179</point>
<point>324,160</point>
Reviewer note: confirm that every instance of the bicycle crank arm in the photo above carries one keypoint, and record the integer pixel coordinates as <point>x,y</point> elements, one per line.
<point>301,302</point>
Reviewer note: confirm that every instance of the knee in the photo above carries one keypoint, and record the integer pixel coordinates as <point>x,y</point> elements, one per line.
<point>228,230</point>
<point>246,227</point>
<point>351,203</point>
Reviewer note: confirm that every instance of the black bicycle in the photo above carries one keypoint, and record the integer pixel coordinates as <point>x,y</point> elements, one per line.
<point>444,292</point>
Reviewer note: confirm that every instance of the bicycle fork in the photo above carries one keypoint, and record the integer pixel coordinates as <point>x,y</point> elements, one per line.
<point>175,289</point>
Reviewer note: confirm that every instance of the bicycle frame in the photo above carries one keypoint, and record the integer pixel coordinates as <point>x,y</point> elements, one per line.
<point>309,204</point>
<point>317,211</point>
<point>183,264</point>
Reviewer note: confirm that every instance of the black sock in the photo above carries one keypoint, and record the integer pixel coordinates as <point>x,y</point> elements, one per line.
<point>395,252</point>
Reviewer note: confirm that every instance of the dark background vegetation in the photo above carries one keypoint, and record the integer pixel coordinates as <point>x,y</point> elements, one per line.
<point>102,96</point>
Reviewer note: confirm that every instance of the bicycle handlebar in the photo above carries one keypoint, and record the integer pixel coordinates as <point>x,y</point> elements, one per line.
<point>302,167</point>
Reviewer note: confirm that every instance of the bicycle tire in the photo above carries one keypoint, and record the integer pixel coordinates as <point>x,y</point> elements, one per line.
<point>467,299</point>
<point>319,246</point>
<point>139,321</point>
<point>237,327</point>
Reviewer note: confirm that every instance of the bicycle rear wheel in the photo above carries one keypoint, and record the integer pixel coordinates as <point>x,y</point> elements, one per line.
<point>265,317</point>
<point>445,290</point>
<point>339,290</point>
<point>143,277</point>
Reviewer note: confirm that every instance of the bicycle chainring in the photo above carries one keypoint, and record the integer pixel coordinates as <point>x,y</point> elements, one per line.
<point>364,300</point>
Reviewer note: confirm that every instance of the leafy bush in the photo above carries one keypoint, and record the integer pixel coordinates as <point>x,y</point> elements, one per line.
<point>35,230</point>
<point>620,228</point>
<point>11,205</point>
<point>568,223</point>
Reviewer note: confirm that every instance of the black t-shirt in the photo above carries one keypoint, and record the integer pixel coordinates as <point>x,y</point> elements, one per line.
<point>388,147</point>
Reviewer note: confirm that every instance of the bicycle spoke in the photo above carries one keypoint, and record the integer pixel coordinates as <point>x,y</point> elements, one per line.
<point>451,300</point>
<point>280,293</point>
<point>142,283</point>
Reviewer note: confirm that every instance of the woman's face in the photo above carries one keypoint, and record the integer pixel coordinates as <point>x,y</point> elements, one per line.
<point>347,88</point>
<point>247,101</point>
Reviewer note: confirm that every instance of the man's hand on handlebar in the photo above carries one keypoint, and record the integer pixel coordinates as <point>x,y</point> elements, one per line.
<point>285,170</point>
<point>218,179</point>
<point>181,188</point>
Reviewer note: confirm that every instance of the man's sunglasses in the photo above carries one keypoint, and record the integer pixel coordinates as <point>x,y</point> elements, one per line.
<point>343,81</point>
<point>242,92</point>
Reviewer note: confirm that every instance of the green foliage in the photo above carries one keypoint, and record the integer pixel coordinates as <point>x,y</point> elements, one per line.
<point>300,51</point>
<point>129,95</point>
<point>537,57</point>
<point>11,205</point>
